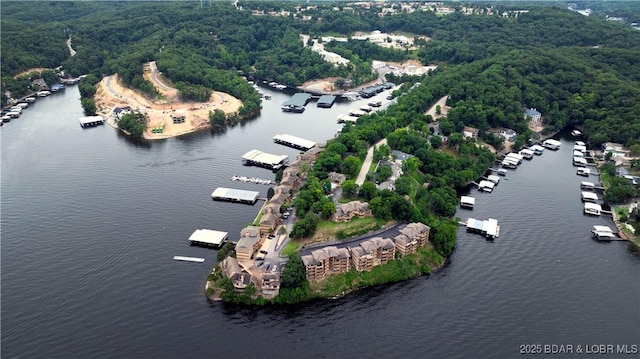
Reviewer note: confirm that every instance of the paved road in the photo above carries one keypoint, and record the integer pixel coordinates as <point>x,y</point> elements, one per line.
<point>362,176</point>
<point>156,80</point>
<point>384,233</point>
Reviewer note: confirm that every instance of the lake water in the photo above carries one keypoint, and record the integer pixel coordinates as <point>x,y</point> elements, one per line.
<point>91,220</point>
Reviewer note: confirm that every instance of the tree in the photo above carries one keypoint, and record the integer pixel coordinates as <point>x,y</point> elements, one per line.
<point>436,141</point>
<point>349,188</point>
<point>368,190</point>
<point>384,173</point>
<point>351,166</point>
<point>294,273</point>
<point>270,192</point>
<point>403,185</point>
<point>217,118</point>
<point>438,109</point>
<point>328,209</point>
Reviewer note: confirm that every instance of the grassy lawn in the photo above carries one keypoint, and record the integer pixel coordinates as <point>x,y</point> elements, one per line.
<point>328,229</point>
<point>291,248</point>
<point>604,178</point>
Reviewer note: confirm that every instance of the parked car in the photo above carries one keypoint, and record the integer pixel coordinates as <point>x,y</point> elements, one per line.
<point>263,251</point>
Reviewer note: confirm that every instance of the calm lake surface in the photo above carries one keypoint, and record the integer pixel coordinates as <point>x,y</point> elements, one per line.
<point>91,220</point>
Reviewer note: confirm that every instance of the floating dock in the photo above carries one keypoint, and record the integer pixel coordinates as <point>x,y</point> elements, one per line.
<point>326,101</point>
<point>89,121</point>
<point>346,118</point>
<point>262,159</point>
<point>293,141</point>
<point>208,237</point>
<point>489,227</point>
<point>188,259</point>
<point>235,195</point>
<point>296,103</point>
<point>252,180</point>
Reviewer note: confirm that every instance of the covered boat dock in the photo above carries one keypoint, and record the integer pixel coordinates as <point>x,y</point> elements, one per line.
<point>208,237</point>
<point>235,195</point>
<point>467,202</point>
<point>489,227</point>
<point>262,159</point>
<point>90,121</point>
<point>296,103</point>
<point>326,101</point>
<point>293,141</point>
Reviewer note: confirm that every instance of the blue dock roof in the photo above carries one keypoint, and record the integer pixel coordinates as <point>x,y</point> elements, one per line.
<point>300,99</point>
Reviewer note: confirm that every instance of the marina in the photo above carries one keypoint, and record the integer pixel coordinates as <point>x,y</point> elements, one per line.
<point>235,195</point>
<point>253,180</point>
<point>293,141</point>
<point>90,121</point>
<point>489,282</point>
<point>208,237</point>
<point>467,202</point>
<point>488,227</point>
<point>188,259</point>
<point>263,159</point>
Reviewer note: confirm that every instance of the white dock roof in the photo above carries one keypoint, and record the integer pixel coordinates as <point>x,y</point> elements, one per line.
<point>468,200</point>
<point>237,194</point>
<point>490,226</point>
<point>602,229</point>
<point>300,142</point>
<point>487,184</point>
<point>589,196</point>
<point>262,157</point>
<point>208,236</point>
<point>593,206</point>
<point>90,119</point>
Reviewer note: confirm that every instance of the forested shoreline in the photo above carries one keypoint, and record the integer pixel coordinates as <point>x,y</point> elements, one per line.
<point>577,71</point>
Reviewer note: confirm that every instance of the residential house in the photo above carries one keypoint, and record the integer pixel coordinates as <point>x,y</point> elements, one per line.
<point>240,279</point>
<point>470,132</point>
<point>336,177</point>
<point>345,211</point>
<point>311,154</point>
<point>178,116</point>
<point>508,134</point>
<point>616,149</point>
<point>270,283</point>
<point>249,242</point>
<point>417,231</point>
<point>405,245</point>
<point>533,115</point>
<point>268,223</point>
<point>278,198</point>
<point>372,252</point>
<point>325,262</point>
<point>282,189</point>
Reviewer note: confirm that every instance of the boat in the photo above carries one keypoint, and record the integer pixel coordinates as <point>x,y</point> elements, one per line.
<point>30,99</point>
<point>507,163</point>
<point>502,172</point>
<point>580,143</point>
<point>366,108</point>
<point>43,93</point>
<point>293,108</point>
<point>580,148</point>
<point>375,103</point>
<point>551,144</point>
<point>493,178</point>
<point>5,118</point>
<point>267,97</point>
<point>582,171</point>
<point>514,157</point>
<point>356,113</point>
<point>592,209</point>
<point>576,133</point>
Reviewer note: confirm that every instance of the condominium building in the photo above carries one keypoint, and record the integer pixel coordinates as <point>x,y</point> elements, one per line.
<point>326,261</point>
